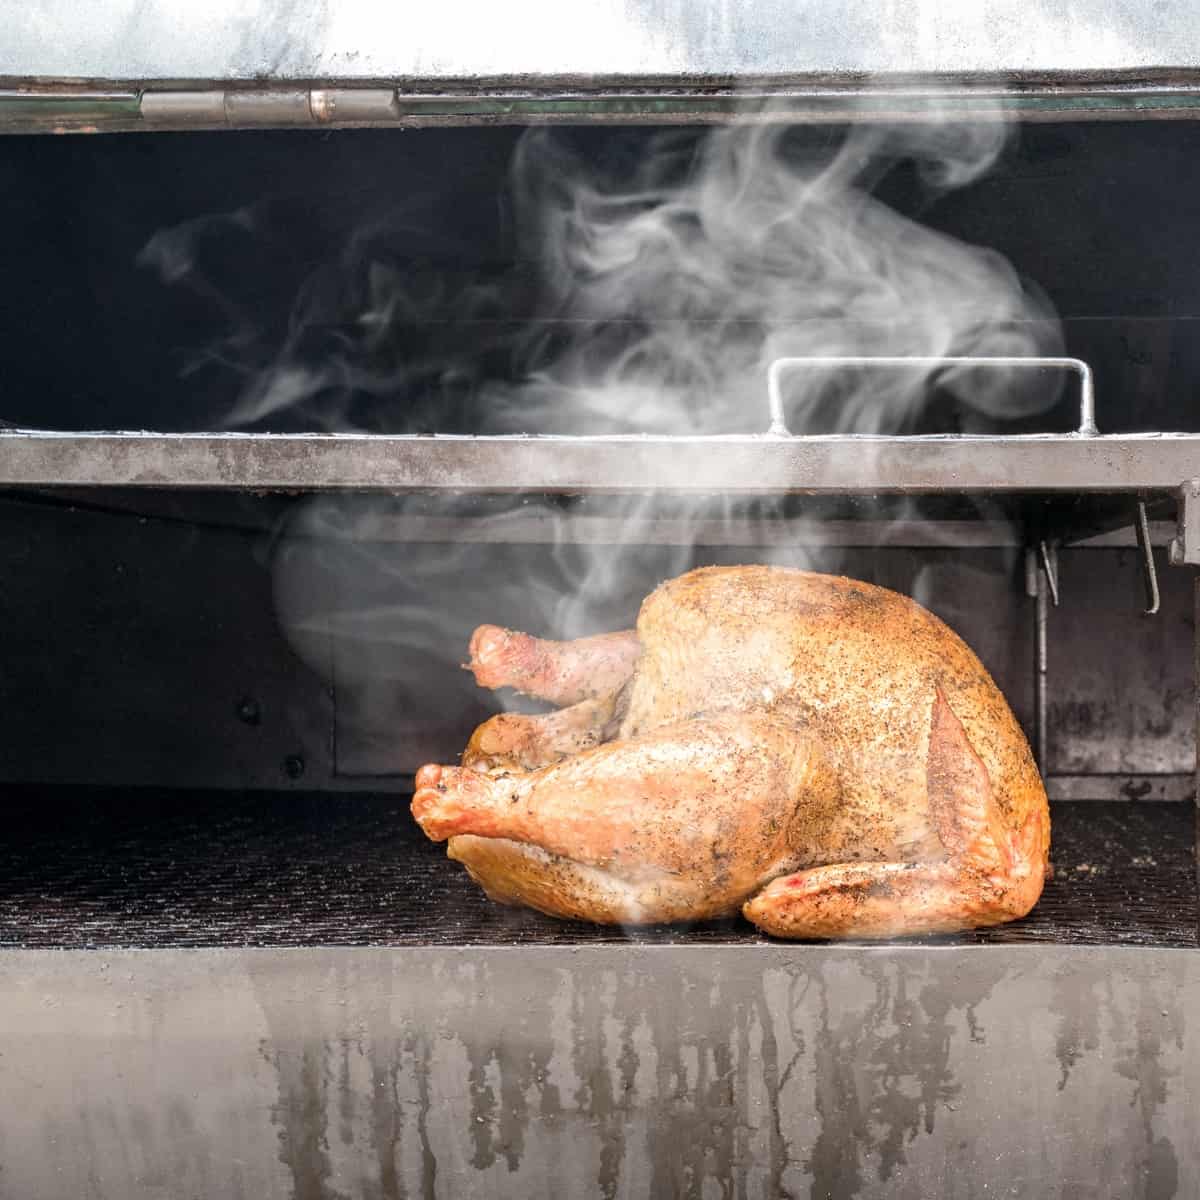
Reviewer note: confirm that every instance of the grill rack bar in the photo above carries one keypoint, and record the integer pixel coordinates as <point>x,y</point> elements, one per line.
<point>742,464</point>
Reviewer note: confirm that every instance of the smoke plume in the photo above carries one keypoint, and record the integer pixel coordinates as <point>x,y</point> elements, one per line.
<point>660,285</point>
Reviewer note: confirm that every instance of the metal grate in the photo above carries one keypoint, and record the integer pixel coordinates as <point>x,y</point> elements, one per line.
<point>83,867</point>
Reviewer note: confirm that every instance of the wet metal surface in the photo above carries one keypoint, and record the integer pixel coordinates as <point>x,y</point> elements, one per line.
<point>1120,711</point>
<point>758,1071</point>
<point>667,40</point>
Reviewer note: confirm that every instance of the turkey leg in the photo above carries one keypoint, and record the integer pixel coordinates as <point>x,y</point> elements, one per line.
<point>516,742</point>
<point>561,672</point>
<point>689,818</point>
<point>990,873</point>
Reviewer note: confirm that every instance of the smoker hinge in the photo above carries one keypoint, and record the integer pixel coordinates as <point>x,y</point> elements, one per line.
<point>294,106</point>
<point>1185,545</point>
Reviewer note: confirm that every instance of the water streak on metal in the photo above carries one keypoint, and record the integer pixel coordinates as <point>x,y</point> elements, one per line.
<point>614,1071</point>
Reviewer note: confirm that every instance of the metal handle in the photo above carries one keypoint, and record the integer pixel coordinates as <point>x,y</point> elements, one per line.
<point>1087,397</point>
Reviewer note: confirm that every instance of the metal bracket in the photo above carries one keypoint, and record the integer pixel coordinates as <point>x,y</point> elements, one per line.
<point>1041,583</point>
<point>1149,572</point>
<point>1185,545</point>
<point>1048,557</point>
<point>1087,393</point>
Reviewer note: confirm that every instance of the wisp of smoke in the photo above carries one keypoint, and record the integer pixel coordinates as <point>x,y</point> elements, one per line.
<point>682,283</point>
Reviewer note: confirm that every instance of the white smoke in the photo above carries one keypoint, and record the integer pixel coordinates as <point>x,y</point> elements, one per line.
<point>664,286</point>
<point>680,283</point>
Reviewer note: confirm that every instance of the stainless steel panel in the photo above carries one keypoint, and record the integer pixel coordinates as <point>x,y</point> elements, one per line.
<point>759,1071</point>
<point>1120,687</point>
<point>538,39</point>
<point>146,652</point>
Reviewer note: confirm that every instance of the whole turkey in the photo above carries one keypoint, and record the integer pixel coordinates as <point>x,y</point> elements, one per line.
<point>824,755</point>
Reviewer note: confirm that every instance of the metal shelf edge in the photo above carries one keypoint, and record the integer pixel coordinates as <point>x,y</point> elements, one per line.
<point>744,464</point>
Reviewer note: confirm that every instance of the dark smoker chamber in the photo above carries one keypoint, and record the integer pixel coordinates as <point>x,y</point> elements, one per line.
<point>235,617</point>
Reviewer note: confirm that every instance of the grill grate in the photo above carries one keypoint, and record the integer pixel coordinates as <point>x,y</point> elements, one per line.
<point>84,867</point>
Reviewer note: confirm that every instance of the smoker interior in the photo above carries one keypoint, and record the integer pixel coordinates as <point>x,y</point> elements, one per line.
<point>182,768</point>
<point>107,327</point>
<point>214,702</point>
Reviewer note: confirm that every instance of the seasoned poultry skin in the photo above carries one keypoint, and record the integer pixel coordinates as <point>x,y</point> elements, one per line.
<point>821,754</point>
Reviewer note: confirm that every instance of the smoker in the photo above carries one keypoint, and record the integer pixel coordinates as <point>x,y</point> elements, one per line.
<point>262,470</point>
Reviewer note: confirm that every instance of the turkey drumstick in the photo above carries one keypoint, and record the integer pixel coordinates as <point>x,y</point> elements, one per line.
<point>687,819</point>
<point>560,672</point>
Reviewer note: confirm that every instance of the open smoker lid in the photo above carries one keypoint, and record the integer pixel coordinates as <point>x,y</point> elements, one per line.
<point>118,64</point>
<point>537,40</point>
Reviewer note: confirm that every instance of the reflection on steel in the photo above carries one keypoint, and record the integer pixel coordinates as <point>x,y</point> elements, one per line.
<point>745,464</point>
<point>928,366</point>
<point>625,1070</point>
<point>1145,546</point>
<point>538,40</point>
